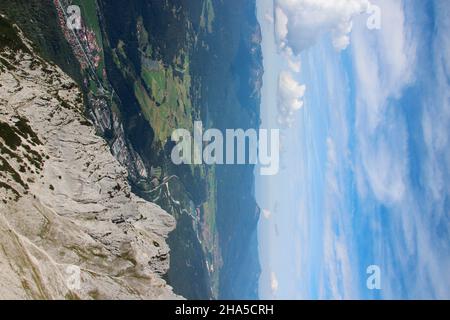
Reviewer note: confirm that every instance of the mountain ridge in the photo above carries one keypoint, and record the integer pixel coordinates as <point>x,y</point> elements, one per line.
<point>66,206</point>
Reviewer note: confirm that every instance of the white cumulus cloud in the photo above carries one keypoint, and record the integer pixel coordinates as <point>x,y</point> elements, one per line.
<point>266,214</point>
<point>273,282</point>
<point>290,95</point>
<point>300,23</point>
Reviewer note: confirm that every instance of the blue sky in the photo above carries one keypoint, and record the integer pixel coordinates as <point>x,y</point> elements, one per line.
<point>365,153</point>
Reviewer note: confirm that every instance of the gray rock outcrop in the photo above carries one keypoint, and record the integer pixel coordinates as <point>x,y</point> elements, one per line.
<point>70,227</point>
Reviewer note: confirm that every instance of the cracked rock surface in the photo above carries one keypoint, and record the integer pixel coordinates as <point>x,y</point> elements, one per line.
<point>70,227</point>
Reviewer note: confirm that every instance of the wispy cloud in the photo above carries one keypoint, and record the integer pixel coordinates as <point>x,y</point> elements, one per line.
<point>385,62</point>
<point>339,275</point>
<point>413,245</point>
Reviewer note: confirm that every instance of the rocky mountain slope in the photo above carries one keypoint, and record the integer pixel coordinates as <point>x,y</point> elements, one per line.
<point>69,225</point>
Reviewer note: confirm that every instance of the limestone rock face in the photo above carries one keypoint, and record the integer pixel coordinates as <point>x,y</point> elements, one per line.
<point>70,228</point>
